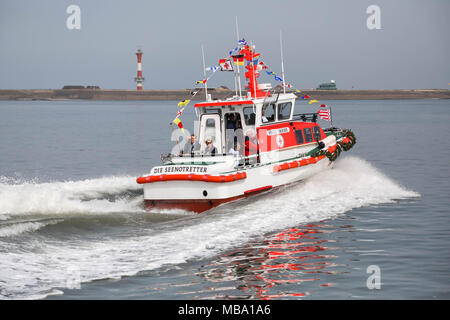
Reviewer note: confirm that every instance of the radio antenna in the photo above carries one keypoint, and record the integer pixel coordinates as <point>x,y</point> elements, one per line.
<point>282,63</point>
<point>204,74</point>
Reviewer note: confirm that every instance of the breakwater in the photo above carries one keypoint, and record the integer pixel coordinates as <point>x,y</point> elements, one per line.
<point>117,94</point>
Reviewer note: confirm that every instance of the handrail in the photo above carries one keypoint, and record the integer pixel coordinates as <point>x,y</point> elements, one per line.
<point>306,116</point>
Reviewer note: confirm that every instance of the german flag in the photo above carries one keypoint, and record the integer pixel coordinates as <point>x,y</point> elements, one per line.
<point>238,59</point>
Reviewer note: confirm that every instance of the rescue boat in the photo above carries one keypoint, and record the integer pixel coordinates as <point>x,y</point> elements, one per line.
<point>277,147</point>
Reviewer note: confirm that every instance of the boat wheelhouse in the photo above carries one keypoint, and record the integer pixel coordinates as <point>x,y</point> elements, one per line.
<point>272,119</point>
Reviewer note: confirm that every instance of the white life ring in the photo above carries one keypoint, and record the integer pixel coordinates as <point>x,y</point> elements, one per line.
<point>280,141</point>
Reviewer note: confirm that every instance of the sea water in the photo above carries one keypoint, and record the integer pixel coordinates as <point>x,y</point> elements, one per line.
<point>73,226</point>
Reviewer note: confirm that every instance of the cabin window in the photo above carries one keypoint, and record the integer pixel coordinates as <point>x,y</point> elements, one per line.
<point>308,134</point>
<point>284,110</point>
<point>268,113</point>
<point>249,116</point>
<point>211,123</point>
<point>317,134</point>
<point>210,129</point>
<point>211,110</point>
<point>233,121</point>
<point>233,130</point>
<point>299,136</point>
<point>210,126</point>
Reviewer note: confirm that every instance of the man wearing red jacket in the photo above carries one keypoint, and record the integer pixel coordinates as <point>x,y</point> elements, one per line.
<point>251,143</point>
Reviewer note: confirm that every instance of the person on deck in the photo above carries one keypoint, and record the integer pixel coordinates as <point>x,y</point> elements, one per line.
<point>231,123</point>
<point>235,150</point>
<point>251,144</point>
<point>263,117</point>
<point>191,146</point>
<point>230,130</point>
<point>210,150</point>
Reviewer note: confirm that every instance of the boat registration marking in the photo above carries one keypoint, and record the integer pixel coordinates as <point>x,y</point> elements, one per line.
<point>273,132</point>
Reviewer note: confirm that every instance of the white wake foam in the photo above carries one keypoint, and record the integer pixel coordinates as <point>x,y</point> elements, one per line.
<point>86,196</point>
<point>17,228</point>
<point>351,184</point>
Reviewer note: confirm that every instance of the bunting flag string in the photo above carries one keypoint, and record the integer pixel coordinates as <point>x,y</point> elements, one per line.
<point>241,43</point>
<point>179,113</point>
<point>261,66</point>
<point>213,69</point>
<point>177,121</point>
<point>233,51</point>
<point>278,78</point>
<point>183,103</point>
<point>225,65</point>
<point>238,59</point>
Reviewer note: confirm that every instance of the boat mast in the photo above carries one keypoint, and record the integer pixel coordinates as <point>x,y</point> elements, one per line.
<point>204,75</point>
<point>235,71</point>
<point>254,69</point>
<point>238,72</point>
<point>282,63</point>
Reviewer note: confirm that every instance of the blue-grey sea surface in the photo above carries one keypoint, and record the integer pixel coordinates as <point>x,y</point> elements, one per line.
<point>73,226</point>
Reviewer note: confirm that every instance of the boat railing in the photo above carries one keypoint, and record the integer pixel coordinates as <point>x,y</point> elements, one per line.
<point>241,160</point>
<point>310,117</point>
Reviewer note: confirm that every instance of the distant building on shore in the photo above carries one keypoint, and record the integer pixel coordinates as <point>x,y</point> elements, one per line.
<point>327,86</point>
<point>80,87</point>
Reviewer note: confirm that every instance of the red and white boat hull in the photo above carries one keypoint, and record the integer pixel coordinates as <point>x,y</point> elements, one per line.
<point>200,192</point>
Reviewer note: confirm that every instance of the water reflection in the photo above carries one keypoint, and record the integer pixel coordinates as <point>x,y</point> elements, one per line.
<point>289,264</point>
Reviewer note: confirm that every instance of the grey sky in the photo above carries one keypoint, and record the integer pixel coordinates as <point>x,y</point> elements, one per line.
<point>323,40</point>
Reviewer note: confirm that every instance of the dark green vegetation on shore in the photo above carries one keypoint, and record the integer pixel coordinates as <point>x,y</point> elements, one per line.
<point>102,94</point>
